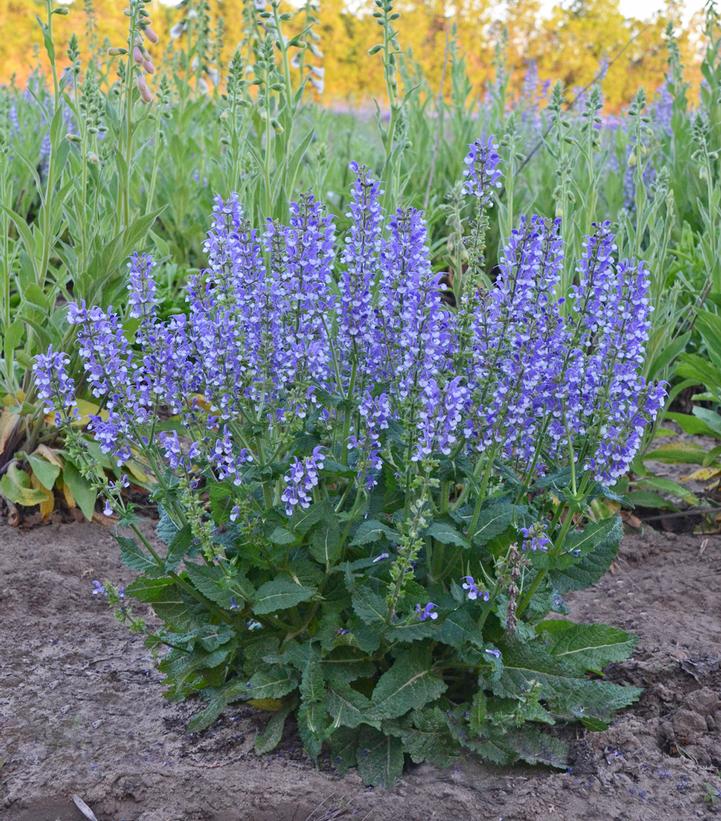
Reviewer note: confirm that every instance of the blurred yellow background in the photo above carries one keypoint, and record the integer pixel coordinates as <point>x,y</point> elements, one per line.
<point>567,42</point>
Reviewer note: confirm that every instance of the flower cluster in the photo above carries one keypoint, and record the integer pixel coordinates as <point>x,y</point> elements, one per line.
<point>300,480</point>
<point>54,386</point>
<point>535,538</point>
<point>474,591</point>
<point>275,337</point>
<point>482,174</point>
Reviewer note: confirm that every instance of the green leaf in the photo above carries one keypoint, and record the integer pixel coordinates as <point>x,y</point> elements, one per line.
<point>213,636</point>
<point>15,486</point>
<point>534,746</point>
<point>412,631</point>
<point>410,683</point>
<point>324,544</point>
<point>82,490</point>
<point>598,546</point>
<point>312,683</point>
<point>178,547</point>
<point>458,628</point>
<point>566,694</point>
<point>46,472</point>
<point>370,607</point>
<point>343,744</point>
<point>269,738</point>
<point>303,520</point>
<point>229,589</point>
<point>281,536</point>
<point>710,418</point>
<point>218,700</point>
<point>134,557</point>
<point>346,664</point>
<point>151,590</point>
<point>371,531</point>
<point>379,758</point>
<point>274,682</point>
<point>445,533</point>
<point>427,738</point>
<point>493,521</point>
<point>166,529</point>
<point>312,727</point>
<point>349,708</point>
<point>586,646</point>
<point>280,594</point>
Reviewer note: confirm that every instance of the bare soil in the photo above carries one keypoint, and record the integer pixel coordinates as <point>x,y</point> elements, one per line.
<point>82,711</point>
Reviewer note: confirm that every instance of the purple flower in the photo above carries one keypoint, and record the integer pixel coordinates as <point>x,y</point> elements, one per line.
<point>141,287</point>
<point>427,612</point>
<point>473,590</point>
<point>54,386</point>
<point>535,538</point>
<point>361,257</point>
<point>482,172</point>
<point>300,480</point>
<point>99,588</point>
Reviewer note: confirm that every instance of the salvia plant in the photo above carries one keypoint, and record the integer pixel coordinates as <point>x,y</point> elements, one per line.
<point>375,491</point>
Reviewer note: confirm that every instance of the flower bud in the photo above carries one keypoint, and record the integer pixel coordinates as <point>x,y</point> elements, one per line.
<point>148,66</point>
<point>145,93</point>
<point>151,35</point>
<point>137,55</point>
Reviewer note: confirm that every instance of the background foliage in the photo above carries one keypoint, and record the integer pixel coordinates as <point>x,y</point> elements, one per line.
<point>568,44</point>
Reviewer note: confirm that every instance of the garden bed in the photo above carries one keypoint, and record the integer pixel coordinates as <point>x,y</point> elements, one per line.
<point>82,711</point>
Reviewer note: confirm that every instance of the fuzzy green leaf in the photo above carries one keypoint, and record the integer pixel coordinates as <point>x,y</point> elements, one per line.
<point>445,533</point>
<point>426,738</point>
<point>134,557</point>
<point>324,544</point>
<point>346,664</point>
<point>270,736</point>
<point>493,521</point>
<point>410,683</point>
<point>370,607</point>
<point>280,594</point>
<point>349,708</point>
<point>379,758</point>
<point>566,694</point>
<point>598,546</point>
<point>274,682</point>
<point>586,646</point>
<point>371,531</point>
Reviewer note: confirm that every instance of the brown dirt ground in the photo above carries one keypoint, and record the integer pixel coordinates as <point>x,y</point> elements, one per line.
<point>82,711</point>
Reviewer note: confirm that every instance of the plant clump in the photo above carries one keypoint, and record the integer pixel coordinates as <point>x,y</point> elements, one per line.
<point>374,497</point>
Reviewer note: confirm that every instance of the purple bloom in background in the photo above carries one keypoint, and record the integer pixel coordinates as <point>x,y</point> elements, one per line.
<point>427,612</point>
<point>227,459</point>
<point>55,387</point>
<point>375,415</point>
<point>300,480</point>
<point>99,588</point>
<point>474,591</point>
<point>141,287</point>
<point>482,174</point>
<point>535,538</point>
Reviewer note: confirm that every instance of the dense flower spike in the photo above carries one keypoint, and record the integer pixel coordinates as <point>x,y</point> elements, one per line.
<point>141,287</point>
<point>482,174</point>
<point>54,386</point>
<point>360,258</point>
<point>301,479</point>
